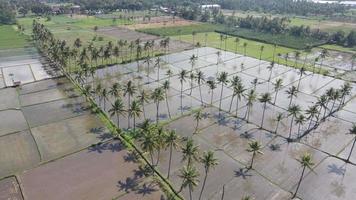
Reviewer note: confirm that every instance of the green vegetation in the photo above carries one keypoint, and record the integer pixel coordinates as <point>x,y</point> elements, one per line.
<point>184,30</point>
<point>338,48</point>
<point>10,38</point>
<point>279,39</point>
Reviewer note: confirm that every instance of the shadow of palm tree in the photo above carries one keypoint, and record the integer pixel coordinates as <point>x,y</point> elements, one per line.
<point>242,172</point>
<point>100,148</point>
<point>146,189</point>
<point>338,170</point>
<point>130,184</point>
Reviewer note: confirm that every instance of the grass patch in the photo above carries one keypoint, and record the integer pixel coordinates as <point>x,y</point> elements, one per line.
<point>252,50</point>
<point>184,30</point>
<point>339,48</point>
<point>10,38</point>
<point>279,39</point>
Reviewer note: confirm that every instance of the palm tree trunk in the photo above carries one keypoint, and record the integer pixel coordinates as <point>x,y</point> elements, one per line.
<point>211,98</point>
<point>237,106</point>
<point>118,120</point>
<point>143,109</point>
<point>157,114</point>
<point>170,160</point>
<point>201,97</point>
<point>223,193</point>
<point>299,182</point>
<point>221,93</point>
<point>277,127</point>
<point>232,99</point>
<point>181,98</point>
<point>169,113</point>
<point>253,157</point>
<point>291,126</point>
<point>134,122</point>
<point>353,145</point>
<point>275,97</point>
<point>263,114</point>
<point>203,186</point>
<point>190,192</point>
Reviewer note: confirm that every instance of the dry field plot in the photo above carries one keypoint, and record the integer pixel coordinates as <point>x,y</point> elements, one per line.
<point>276,172</point>
<point>159,22</point>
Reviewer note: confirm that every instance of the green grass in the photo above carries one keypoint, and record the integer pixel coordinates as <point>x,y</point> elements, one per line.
<point>252,49</point>
<point>279,39</point>
<point>183,30</point>
<point>66,28</point>
<point>10,38</point>
<point>339,48</point>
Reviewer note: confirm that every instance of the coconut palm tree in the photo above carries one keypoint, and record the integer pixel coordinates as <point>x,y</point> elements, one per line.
<point>166,87</point>
<point>352,131</point>
<point>158,66</point>
<point>296,58</point>
<point>301,73</point>
<point>172,141</point>
<point>278,120</point>
<point>200,79</point>
<point>104,95</point>
<point>169,73</point>
<point>190,152</point>
<point>148,62</point>
<point>193,59</point>
<point>334,97</point>
<point>197,117</point>
<point>293,111</point>
<point>306,161</point>
<point>264,99</point>
<point>254,147</point>
<point>254,83</point>
<point>239,90</point>
<point>209,161</point>
<point>251,98</point>
<point>157,96</point>
<point>190,176</point>
<point>314,64</point>
<point>245,46</point>
<point>299,121</point>
<point>212,86</point>
<point>277,86</point>
<point>148,142</point>
<point>218,58</point>
<point>311,112</point>
<point>270,68</point>
<point>237,40</point>
<point>135,111</point>
<point>115,90</point>
<point>129,90</point>
<point>345,90</point>
<point>182,76</point>
<point>261,51</point>
<point>160,141</point>
<point>144,98</point>
<point>117,109</point>
<point>323,55</point>
<point>322,103</point>
<point>291,92</point>
<point>191,77</point>
<point>222,79</point>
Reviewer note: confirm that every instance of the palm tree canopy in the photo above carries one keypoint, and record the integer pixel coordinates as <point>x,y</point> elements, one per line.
<point>222,78</point>
<point>198,115</point>
<point>190,150</point>
<point>157,95</point>
<point>118,108</point>
<point>278,84</point>
<point>172,139</point>
<point>306,160</point>
<point>182,75</point>
<point>135,108</point>
<point>353,130</point>
<point>265,98</point>
<point>209,160</point>
<point>129,89</point>
<point>294,110</point>
<point>190,176</point>
<point>255,147</point>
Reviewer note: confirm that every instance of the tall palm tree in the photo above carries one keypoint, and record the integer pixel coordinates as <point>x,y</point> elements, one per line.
<point>182,78</point>
<point>322,103</point>
<point>293,111</point>
<point>222,79</point>
<point>291,92</point>
<point>157,96</point>
<point>212,86</point>
<point>166,87</point>
<point>352,132</point>
<point>190,152</point>
<point>323,55</point>
<point>306,161</point>
<point>115,90</point>
<point>264,99</point>
<point>261,51</point>
<point>301,73</point>
<point>277,86</point>
<point>314,64</point>
<point>158,66</point>
<point>118,108</point>
<point>239,90</point>
<point>172,141</point>
<point>129,90</point>
<point>148,142</point>
<point>237,40</point>
<point>345,90</point>
<point>270,68</point>
<point>245,46</point>
<point>197,117</point>
<point>299,121</point>
<point>169,73</point>
<point>191,77</point>
<point>148,62</point>
<point>200,79</point>
<point>251,98</point>
<point>209,161</point>
<point>104,95</point>
<point>296,58</point>
<point>190,176</point>
<point>135,111</point>
<point>144,98</point>
<point>254,147</point>
<point>312,112</point>
<point>160,141</point>
<point>334,97</point>
<point>278,120</point>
